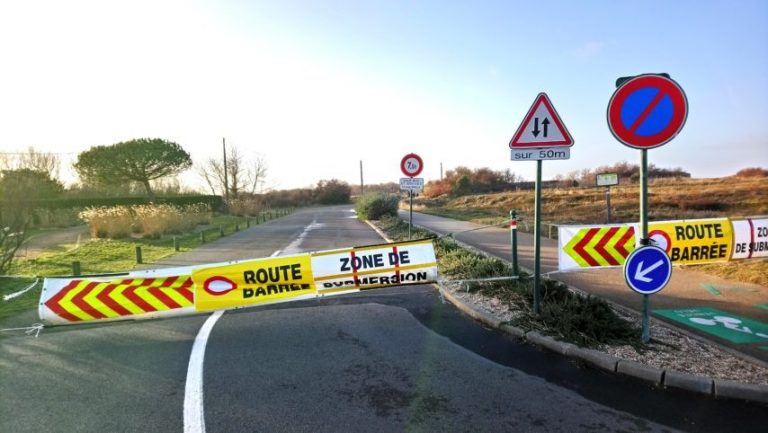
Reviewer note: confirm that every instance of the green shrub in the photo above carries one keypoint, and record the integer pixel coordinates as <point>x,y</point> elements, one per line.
<point>373,206</point>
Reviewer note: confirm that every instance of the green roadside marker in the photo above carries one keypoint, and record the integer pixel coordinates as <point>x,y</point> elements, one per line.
<point>728,326</point>
<point>711,289</point>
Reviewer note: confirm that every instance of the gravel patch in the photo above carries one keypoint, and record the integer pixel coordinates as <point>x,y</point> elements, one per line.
<point>669,349</point>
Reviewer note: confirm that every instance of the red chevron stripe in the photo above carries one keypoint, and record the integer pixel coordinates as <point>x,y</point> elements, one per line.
<point>619,246</point>
<point>79,301</point>
<point>53,303</point>
<point>184,290</point>
<point>162,297</point>
<point>579,247</point>
<point>130,294</point>
<point>111,303</point>
<point>169,281</point>
<point>600,247</point>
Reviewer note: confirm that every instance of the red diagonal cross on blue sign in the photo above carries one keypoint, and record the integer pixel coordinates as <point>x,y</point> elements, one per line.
<point>647,111</point>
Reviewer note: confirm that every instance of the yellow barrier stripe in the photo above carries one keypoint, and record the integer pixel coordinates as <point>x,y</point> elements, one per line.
<point>66,302</point>
<point>99,306</point>
<point>144,294</point>
<point>569,248</point>
<point>124,302</point>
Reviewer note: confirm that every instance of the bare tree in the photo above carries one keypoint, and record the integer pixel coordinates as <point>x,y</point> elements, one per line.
<point>244,175</point>
<point>32,160</point>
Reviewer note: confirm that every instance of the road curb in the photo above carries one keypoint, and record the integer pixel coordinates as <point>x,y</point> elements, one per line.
<point>640,371</point>
<point>716,388</point>
<point>471,311</point>
<point>732,389</point>
<point>689,382</point>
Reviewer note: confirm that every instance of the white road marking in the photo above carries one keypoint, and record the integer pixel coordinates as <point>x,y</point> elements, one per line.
<point>194,410</point>
<point>194,415</point>
<point>293,247</point>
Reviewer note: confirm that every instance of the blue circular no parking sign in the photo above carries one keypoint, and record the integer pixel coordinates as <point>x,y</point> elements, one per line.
<point>647,111</point>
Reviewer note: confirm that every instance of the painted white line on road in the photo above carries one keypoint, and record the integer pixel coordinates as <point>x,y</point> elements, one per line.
<point>194,415</point>
<point>194,409</point>
<point>293,247</point>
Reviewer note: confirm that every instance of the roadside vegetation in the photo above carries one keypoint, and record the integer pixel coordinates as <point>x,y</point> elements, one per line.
<point>741,195</point>
<point>375,205</point>
<point>583,320</point>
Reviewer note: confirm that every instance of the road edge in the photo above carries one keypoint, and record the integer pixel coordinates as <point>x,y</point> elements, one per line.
<point>662,378</point>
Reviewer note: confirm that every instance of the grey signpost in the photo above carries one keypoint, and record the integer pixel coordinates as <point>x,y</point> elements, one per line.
<point>645,112</point>
<point>541,136</point>
<point>607,180</point>
<point>411,165</point>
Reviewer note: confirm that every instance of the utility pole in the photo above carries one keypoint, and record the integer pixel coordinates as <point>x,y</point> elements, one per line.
<point>441,171</point>
<point>361,177</point>
<point>226,180</point>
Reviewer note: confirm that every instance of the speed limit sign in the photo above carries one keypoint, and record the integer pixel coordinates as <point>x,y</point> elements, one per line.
<point>411,165</point>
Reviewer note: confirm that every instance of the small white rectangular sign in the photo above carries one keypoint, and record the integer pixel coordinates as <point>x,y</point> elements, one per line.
<point>544,153</point>
<point>414,184</point>
<point>607,179</point>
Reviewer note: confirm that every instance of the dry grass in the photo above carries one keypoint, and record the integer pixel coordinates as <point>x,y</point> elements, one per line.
<point>149,221</point>
<point>668,200</point>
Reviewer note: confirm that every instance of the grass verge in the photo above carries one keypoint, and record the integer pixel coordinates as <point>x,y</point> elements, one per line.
<point>107,256</point>
<point>19,304</point>
<point>583,320</point>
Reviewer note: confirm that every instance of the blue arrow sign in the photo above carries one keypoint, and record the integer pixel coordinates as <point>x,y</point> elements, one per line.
<point>647,270</point>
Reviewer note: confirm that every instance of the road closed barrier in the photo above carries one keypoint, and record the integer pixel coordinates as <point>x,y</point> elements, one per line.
<point>186,290</point>
<point>750,238</point>
<point>686,242</point>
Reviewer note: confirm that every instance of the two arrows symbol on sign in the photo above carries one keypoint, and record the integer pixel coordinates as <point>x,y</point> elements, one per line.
<point>640,273</point>
<point>536,130</point>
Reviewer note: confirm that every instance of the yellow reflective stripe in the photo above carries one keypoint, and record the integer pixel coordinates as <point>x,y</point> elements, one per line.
<point>96,303</point>
<point>144,294</point>
<point>176,296</point>
<point>124,302</point>
<point>66,302</point>
<point>572,253</point>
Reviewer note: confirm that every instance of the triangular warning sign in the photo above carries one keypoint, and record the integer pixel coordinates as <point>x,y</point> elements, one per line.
<point>542,127</point>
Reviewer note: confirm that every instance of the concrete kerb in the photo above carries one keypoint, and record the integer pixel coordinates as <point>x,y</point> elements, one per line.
<point>717,388</point>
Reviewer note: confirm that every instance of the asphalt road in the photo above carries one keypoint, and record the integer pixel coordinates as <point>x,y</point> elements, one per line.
<point>686,289</point>
<point>395,359</point>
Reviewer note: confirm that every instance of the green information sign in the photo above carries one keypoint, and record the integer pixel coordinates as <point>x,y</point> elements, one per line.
<point>728,326</point>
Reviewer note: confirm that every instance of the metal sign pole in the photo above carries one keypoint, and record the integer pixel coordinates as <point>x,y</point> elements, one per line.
<point>513,234</point>
<point>608,202</point>
<point>644,235</point>
<point>410,214</point>
<point>537,243</point>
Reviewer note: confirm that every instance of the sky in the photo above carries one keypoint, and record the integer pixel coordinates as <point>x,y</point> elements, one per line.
<point>315,87</point>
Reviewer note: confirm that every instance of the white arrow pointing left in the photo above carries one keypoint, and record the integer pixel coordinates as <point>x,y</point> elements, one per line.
<point>640,273</point>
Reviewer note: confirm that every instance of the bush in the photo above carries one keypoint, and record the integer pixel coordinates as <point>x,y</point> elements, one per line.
<point>373,206</point>
<point>333,192</point>
<point>752,172</point>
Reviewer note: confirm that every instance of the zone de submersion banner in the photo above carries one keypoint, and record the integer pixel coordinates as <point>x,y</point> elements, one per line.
<point>686,242</point>
<point>187,290</point>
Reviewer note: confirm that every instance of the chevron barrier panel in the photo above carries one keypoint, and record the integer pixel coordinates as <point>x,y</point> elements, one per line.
<point>685,241</point>
<point>187,290</point>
